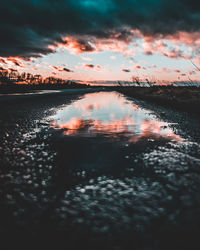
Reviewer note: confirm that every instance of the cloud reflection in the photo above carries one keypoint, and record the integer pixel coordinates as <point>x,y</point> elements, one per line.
<point>111,114</point>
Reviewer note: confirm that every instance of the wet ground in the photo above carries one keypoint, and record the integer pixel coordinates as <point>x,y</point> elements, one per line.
<point>97,171</point>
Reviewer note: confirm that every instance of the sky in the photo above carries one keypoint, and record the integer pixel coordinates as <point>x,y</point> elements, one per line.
<point>92,40</point>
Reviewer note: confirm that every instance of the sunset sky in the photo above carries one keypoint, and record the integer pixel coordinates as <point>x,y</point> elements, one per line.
<point>102,39</point>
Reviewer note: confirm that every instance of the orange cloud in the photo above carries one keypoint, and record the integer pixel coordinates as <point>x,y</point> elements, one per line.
<point>12,61</point>
<point>137,66</point>
<point>82,44</point>
<point>155,130</point>
<point>177,71</point>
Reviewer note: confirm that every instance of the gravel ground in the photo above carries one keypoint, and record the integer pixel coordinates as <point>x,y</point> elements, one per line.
<point>142,196</point>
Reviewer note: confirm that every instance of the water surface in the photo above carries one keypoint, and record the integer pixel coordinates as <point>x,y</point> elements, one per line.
<point>110,114</point>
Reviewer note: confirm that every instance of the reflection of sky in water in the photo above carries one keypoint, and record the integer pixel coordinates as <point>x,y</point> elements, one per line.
<point>110,114</point>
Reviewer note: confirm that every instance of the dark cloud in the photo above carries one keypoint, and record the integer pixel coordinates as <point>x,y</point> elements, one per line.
<point>91,66</point>
<point>79,44</point>
<point>138,67</point>
<point>2,61</point>
<point>55,67</point>
<point>61,69</point>
<point>13,70</point>
<point>126,70</point>
<point>148,53</point>
<point>15,62</point>
<point>27,28</point>
<point>67,70</point>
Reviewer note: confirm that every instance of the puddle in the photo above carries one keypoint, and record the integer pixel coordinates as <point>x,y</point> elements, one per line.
<point>110,114</point>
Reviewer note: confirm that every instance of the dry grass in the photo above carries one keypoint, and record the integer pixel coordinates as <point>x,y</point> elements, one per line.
<point>181,98</point>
